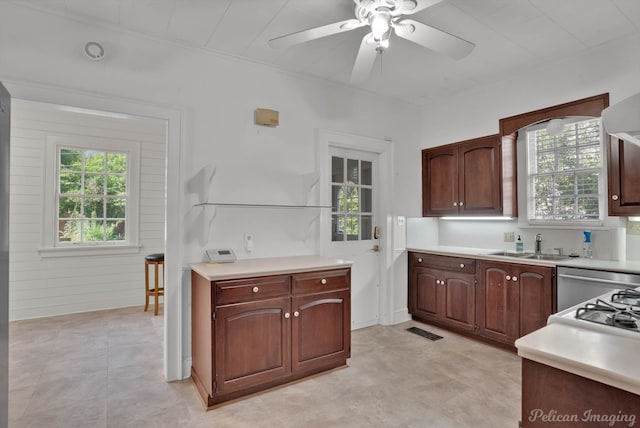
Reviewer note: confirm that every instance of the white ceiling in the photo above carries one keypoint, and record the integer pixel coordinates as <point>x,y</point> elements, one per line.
<point>510,36</point>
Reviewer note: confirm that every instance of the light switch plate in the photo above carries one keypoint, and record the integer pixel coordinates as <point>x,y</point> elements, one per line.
<point>509,236</point>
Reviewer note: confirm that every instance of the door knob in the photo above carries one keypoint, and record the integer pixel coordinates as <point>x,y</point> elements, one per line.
<point>296,314</point>
<point>323,281</point>
<point>376,248</point>
<point>287,315</point>
<point>615,197</point>
<point>508,277</point>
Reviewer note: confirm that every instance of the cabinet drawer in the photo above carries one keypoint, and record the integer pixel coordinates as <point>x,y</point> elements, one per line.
<point>242,290</point>
<point>453,264</point>
<point>315,282</point>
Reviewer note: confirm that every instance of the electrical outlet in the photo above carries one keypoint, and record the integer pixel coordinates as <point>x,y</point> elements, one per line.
<point>633,228</point>
<point>509,237</point>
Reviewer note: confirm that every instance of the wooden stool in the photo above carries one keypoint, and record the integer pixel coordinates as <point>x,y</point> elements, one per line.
<point>155,260</point>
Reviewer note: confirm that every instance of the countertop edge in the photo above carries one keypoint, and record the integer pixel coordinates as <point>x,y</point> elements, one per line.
<point>528,347</point>
<point>267,266</point>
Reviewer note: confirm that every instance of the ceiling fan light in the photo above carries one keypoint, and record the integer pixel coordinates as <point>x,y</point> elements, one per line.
<point>380,24</point>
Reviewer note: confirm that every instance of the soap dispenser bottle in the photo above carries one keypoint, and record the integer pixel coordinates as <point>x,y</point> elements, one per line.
<point>519,245</point>
<point>587,249</point>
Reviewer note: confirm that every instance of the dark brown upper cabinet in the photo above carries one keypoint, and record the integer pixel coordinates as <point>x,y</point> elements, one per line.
<point>470,178</point>
<point>624,178</point>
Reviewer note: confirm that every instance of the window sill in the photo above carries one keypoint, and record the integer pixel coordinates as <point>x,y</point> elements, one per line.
<point>97,250</point>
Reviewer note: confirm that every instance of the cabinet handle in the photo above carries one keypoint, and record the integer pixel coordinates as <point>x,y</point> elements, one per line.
<point>420,260</point>
<point>461,265</point>
<point>515,278</point>
<point>615,197</point>
<point>455,204</point>
<point>508,277</point>
<point>461,203</point>
<point>296,314</point>
<point>323,281</point>
<point>255,289</point>
<point>438,281</point>
<point>287,315</point>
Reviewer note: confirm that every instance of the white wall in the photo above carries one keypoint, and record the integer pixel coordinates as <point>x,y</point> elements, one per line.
<point>217,96</point>
<point>613,67</point>
<point>58,285</point>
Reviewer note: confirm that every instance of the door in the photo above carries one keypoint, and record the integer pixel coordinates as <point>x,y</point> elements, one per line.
<point>536,297</point>
<point>479,166</point>
<point>440,181</point>
<point>5,123</point>
<point>354,232</point>
<point>456,297</point>
<point>252,344</point>
<point>497,304</point>
<point>624,176</point>
<point>320,334</point>
<point>426,293</point>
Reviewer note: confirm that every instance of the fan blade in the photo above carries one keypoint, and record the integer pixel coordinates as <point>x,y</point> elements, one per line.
<point>409,7</point>
<point>365,60</point>
<point>315,33</point>
<point>434,39</point>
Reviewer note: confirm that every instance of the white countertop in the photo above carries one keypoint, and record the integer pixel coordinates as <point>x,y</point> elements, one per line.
<point>578,262</point>
<point>267,266</point>
<point>605,358</point>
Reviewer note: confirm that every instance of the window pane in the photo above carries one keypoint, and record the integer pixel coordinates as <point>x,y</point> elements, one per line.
<point>94,161</point>
<point>353,226</point>
<point>115,230</point>
<point>353,171</point>
<point>565,184</point>
<point>337,170</point>
<point>365,205</point>
<point>567,159</point>
<point>587,183</point>
<point>367,173</point>
<point>588,208</point>
<point>543,208</point>
<point>337,228</point>
<point>69,208</point>
<point>94,208</point>
<point>589,157</point>
<point>565,208</point>
<point>70,160</point>
<point>94,184</point>
<point>116,163</point>
<point>337,198</point>
<point>353,203</point>
<point>93,230</point>
<point>546,162</point>
<point>69,231</point>
<point>116,207</point>
<point>366,227</point>
<point>543,186</point>
<point>116,185</point>
<point>70,183</point>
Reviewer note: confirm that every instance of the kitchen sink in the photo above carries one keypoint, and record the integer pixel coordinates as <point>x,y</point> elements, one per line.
<point>531,255</point>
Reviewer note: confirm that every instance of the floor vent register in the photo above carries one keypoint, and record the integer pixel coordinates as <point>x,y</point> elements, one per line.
<point>424,333</point>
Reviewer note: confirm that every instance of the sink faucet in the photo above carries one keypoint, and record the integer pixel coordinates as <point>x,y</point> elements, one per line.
<point>538,247</point>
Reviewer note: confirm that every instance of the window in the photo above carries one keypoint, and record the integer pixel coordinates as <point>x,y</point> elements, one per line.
<point>565,173</point>
<point>92,202</point>
<point>352,199</point>
<point>91,196</point>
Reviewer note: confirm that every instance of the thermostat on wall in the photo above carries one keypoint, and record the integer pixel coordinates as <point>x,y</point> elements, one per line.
<point>221,255</point>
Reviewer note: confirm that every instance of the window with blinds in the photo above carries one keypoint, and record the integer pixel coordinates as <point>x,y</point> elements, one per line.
<point>565,173</point>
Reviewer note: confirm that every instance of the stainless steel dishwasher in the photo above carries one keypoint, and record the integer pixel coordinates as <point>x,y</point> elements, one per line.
<point>578,285</point>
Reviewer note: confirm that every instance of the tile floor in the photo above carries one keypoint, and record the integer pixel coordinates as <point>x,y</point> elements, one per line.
<point>104,369</point>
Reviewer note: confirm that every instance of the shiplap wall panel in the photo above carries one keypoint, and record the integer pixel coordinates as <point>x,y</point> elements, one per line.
<point>41,287</point>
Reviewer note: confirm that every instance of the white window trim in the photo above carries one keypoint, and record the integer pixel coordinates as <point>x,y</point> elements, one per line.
<point>50,246</point>
<point>524,187</point>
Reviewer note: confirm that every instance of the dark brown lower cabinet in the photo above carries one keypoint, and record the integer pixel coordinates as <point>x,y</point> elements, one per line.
<point>513,299</point>
<point>555,398</point>
<point>497,301</point>
<point>250,334</point>
<point>439,294</point>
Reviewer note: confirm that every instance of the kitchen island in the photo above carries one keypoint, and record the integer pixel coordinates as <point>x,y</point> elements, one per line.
<point>259,323</point>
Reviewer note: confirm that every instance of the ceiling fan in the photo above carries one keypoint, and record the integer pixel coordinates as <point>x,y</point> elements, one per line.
<point>384,17</point>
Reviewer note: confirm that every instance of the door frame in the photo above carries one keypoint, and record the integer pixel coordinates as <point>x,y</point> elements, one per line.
<point>176,367</point>
<point>384,149</point>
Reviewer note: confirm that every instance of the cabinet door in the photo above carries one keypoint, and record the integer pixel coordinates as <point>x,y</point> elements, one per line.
<point>439,181</point>
<point>457,305</point>
<point>425,293</point>
<point>536,297</point>
<point>480,171</point>
<point>624,176</point>
<point>497,303</point>
<point>321,330</point>
<point>252,343</point>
